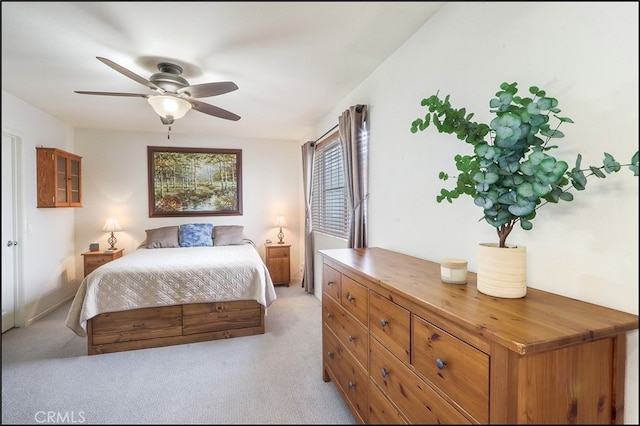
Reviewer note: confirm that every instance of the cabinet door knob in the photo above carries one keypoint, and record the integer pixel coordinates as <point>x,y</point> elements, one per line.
<point>351,338</point>
<point>383,322</point>
<point>384,372</point>
<point>350,298</point>
<point>352,384</point>
<point>441,364</point>
<point>329,315</point>
<point>330,354</point>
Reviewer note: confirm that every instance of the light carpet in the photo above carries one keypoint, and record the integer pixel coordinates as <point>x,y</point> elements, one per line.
<point>273,378</point>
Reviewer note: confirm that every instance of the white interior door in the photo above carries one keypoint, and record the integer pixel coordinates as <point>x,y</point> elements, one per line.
<point>8,235</point>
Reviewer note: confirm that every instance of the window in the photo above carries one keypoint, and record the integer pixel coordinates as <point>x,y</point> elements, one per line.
<point>329,198</point>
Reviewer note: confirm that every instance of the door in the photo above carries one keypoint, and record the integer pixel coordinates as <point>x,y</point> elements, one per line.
<point>9,240</point>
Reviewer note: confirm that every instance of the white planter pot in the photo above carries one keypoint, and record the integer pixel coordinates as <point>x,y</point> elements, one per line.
<point>502,272</point>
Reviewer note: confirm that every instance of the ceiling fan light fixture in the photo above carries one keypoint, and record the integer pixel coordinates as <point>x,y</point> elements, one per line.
<point>167,106</point>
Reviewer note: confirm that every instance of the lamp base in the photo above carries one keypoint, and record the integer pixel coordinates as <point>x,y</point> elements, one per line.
<point>112,243</point>
<point>281,236</point>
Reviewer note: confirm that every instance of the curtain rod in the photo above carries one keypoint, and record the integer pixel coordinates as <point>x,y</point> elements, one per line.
<point>358,109</point>
<point>326,133</point>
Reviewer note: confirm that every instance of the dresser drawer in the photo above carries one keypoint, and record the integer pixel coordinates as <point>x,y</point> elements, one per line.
<point>465,375</point>
<point>350,376</point>
<point>147,323</point>
<point>381,411</point>
<point>390,323</point>
<point>415,398</point>
<point>98,260</point>
<point>331,282</point>
<point>278,251</point>
<point>355,299</point>
<point>349,331</point>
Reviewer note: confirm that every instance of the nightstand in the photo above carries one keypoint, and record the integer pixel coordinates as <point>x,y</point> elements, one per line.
<point>95,259</point>
<point>277,261</point>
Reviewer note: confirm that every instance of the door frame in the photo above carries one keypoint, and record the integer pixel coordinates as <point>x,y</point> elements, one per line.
<point>18,226</point>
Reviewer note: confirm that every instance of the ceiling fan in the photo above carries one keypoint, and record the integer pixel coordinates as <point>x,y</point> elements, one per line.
<point>173,96</point>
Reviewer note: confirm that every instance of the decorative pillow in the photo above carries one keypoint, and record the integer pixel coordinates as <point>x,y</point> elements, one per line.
<point>164,237</point>
<point>196,235</point>
<point>225,235</point>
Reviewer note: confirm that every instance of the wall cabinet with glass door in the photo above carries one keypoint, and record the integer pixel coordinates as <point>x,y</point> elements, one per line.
<point>59,178</point>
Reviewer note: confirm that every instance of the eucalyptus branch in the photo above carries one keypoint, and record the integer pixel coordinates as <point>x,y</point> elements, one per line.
<point>511,175</point>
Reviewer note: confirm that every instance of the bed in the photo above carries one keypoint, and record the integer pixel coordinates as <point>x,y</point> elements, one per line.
<point>172,295</point>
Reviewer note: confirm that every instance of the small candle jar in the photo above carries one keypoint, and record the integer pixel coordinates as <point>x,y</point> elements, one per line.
<point>453,271</point>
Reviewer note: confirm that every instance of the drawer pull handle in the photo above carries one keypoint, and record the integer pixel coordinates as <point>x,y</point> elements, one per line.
<point>329,282</point>
<point>384,372</point>
<point>352,384</point>
<point>351,338</point>
<point>329,315</point>
<point>330,354</point>
<point>441,364</point>
<point>383,322</point>
<point>350,298</point>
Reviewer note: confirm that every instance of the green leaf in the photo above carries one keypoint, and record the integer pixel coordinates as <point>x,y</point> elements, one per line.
<point>552,133</point>
<point>597,172</point>
<point>522,209</point>
<point>525,224</point>
<point>486,177</point>
<point>610,164</point>
<point>578,180</point>
<point>566,196</point>
<point>634,164</point>
<point>525,190</point>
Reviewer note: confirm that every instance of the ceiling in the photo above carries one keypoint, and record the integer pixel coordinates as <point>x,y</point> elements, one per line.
<point>292,61</point>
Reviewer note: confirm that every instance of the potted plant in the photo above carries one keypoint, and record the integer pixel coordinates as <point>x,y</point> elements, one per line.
<point>511,172</point>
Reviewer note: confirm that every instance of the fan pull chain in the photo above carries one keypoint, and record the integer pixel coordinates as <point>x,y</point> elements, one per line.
<point>169,133</point>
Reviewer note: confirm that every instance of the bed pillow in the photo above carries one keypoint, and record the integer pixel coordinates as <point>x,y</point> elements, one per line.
<point>196,235</point>
<point>164,237</point>
<point>226,235</point>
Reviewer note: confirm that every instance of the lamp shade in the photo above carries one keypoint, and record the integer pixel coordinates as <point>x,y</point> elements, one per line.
<point>111,225</point>
<point>169,106</point>
<point>281,222</point>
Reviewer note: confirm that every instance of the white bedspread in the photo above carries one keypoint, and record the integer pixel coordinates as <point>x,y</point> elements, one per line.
<point>172,276</point>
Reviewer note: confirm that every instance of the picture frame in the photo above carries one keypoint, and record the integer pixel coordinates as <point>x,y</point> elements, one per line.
<point>194,181</point>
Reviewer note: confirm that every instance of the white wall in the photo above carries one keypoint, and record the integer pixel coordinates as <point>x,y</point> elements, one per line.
<point>47,243</point>
<point>585,55</point>
<point>114,179</point>
<point>115,183</point>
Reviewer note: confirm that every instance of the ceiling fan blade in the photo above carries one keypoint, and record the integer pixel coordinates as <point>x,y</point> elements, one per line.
<point>130,74</point>
<point>213,110</point>
<point>209,89</point>
<point>135,95</point>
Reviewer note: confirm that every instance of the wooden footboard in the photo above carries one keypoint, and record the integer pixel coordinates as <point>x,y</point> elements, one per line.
<point>173,325</point>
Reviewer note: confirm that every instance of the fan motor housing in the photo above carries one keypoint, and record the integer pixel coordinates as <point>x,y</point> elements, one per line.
<point>169,77</point>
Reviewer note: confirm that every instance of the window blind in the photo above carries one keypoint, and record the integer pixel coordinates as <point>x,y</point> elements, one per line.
<point>328,201</point>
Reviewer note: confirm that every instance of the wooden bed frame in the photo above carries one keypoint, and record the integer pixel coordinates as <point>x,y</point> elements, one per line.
<point>173,325</point>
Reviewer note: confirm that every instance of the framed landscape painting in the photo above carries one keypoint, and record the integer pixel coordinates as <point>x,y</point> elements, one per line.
<point>194,181</point>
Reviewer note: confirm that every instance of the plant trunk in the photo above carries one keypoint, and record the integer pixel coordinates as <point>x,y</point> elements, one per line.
<point>503,233</point>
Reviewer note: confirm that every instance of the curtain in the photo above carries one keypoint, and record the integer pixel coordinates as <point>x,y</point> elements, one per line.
<point>308,153</point>
<point>354,138</point>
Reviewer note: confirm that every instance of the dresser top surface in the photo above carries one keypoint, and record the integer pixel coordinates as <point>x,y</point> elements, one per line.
<point>538,321</point>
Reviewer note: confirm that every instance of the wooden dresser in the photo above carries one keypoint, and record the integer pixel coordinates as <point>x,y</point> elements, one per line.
<point>403,347</point>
